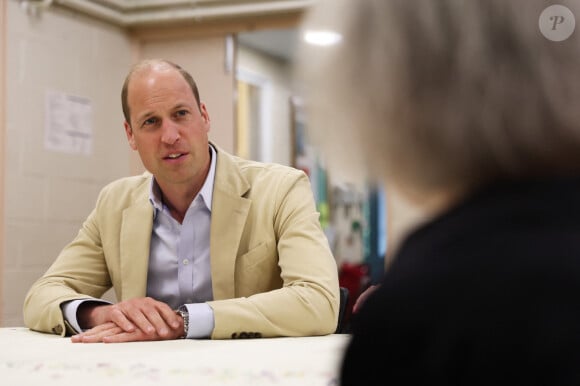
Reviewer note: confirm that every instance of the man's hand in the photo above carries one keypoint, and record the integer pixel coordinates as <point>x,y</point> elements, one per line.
<point>132,320</point>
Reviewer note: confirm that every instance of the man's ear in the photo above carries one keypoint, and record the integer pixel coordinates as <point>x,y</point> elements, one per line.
<point>204,114</point>
<point>130,137</point>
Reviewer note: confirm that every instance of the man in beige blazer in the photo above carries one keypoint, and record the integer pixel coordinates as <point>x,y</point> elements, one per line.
<point>202,245</point>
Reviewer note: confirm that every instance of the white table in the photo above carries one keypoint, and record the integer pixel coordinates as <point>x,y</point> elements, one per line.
<point>29,358</point>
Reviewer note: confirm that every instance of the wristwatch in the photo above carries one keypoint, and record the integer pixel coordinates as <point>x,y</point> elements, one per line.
<point>182,310</point>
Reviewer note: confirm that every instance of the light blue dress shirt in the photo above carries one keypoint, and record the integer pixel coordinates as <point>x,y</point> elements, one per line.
<point>179,260</point>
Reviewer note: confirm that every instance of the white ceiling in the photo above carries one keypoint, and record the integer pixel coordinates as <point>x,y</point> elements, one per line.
<point>138,13</point>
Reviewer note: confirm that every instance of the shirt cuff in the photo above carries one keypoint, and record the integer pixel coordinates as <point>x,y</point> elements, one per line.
<point>70,308</point>
<point>201,320</point>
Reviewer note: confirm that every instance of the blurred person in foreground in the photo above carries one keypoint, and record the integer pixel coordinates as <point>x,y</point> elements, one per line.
<point>202,245</point>
<point>471,113</point>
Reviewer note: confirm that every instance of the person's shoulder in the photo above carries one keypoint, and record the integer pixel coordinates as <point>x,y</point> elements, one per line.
<point>271,174</point>
<point>268,167</point>
<point>129,183</point>
<point>126,190</point>
<point>251,167</point>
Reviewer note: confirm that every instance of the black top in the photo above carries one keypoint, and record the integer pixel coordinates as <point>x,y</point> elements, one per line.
<point>486,294</point>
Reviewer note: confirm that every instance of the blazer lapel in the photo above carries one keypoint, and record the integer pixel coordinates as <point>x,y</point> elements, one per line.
<point>228,217</point>
<point>135,240</point>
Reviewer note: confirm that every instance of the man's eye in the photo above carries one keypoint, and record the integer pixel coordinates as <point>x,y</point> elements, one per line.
<point>182,112</point>
<point>149,122</point>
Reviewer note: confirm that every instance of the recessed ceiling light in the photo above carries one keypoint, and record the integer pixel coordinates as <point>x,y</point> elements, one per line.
<point>322,38</point>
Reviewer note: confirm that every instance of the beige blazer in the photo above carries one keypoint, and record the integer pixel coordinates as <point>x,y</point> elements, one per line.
<point>272,270</point>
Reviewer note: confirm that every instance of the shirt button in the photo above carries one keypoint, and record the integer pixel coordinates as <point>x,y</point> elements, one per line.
<point>185,261</point>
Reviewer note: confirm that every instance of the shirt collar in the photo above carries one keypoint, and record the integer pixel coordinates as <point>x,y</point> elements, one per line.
<point>206,191</point>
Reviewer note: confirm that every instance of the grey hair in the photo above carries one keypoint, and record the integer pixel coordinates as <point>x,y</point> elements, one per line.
<point>441,93</point>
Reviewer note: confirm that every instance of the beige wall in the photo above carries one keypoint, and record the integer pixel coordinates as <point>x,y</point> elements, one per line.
<point>49,193</point>
<point>2,147</point>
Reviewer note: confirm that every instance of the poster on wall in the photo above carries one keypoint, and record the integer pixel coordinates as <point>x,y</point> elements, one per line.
<point>68,123</point>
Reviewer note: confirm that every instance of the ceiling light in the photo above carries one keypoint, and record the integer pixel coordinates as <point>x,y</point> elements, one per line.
<point>322,38</point>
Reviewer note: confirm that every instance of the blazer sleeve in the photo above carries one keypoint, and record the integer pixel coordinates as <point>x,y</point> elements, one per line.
<point>91,263</point>
<point>285,278</point>
<point>79,272</point>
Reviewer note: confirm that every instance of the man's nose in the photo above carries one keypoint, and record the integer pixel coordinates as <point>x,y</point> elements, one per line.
<point>170,133</point>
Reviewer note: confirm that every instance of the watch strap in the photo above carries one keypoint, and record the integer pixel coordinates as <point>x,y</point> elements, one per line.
<point>182,310</point>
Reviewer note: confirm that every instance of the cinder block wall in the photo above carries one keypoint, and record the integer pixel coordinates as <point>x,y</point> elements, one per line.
<point>49,193</point>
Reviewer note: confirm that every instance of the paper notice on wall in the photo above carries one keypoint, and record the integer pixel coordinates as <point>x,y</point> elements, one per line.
<point>68,124</point>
